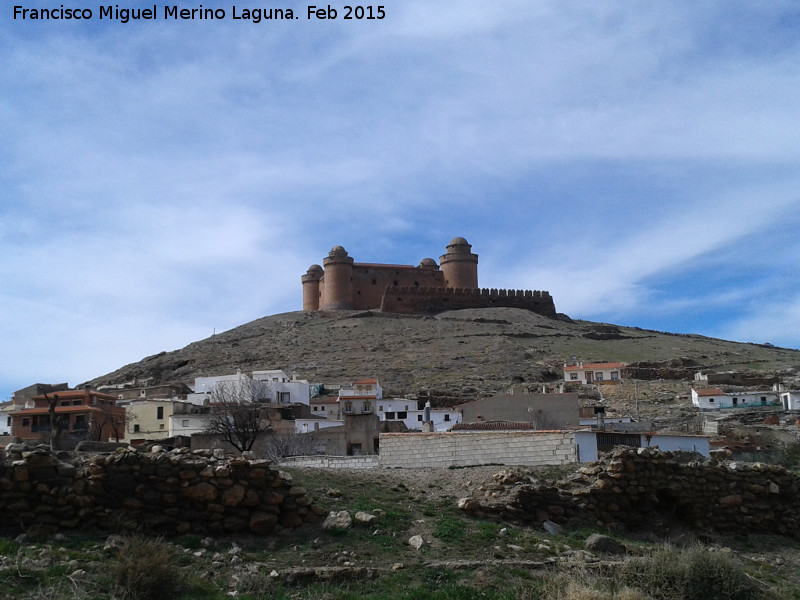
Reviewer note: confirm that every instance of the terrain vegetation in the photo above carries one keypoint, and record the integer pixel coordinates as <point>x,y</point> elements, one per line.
<point>451,357</point>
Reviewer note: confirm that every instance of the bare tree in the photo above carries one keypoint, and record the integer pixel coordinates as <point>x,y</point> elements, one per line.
<point>290,444</point>
<point>237,412</point>
<point>107,419</point>
<point>56,425</point>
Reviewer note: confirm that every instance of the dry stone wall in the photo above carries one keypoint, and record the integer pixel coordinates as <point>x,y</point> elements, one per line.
<point>644,488</point>
<point>162,492</point>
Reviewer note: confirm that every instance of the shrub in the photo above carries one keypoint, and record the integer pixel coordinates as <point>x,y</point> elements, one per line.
<point>690,574</point>
<point>147,569</point>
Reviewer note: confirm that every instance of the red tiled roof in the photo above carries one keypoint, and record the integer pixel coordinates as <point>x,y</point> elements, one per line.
<point>61,409</point>
<point>607,365</point>
<point>709,392</point>
<point>75,394</point>
<point>363,381</point>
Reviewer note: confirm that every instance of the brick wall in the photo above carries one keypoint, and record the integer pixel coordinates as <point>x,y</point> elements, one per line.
<point>530,448</point>
<point>421,300</point>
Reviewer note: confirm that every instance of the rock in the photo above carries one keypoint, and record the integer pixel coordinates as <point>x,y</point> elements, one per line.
<point>598,542</point>
<point>552,528</point>
<point>338,520</point>
<point>365,517</point>
<point>469,504</point>
<point>416,542</point>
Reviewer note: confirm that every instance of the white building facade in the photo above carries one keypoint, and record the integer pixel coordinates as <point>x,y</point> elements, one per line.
<point>585,373</point>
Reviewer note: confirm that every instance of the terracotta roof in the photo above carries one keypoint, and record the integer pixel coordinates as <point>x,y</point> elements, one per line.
<point>75,394</point>
<point>709,392</point>
<point>363,381</point>
<point>493,426</point>
<point>61,409</point>
<point>607,365</point>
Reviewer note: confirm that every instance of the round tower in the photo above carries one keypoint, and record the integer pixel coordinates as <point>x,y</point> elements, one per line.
<point>338,285</point>
<point>311,287</point>
<point>459,265</point>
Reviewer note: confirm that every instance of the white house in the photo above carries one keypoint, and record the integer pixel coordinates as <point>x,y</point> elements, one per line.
<point>589,443</point>
<point>408,411</point>
<point>284,389</point>
<point>593,372</point>
<point>790,399</point>
<point>363,388</point>
<point>270,385</point>
<point>315,424</point>
<point>187,424</point>
<point>716,399</point>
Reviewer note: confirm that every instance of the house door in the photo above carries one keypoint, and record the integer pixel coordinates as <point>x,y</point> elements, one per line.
<point>589,376</point>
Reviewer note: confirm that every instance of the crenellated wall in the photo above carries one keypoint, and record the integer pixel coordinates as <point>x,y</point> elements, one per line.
<point>166,493</point>
<point>416,300</point>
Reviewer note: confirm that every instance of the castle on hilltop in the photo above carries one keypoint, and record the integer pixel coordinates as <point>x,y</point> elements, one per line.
<point>341,284</point>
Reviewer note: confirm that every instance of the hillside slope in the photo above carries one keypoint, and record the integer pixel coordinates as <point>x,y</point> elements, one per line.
<point>458,354</point>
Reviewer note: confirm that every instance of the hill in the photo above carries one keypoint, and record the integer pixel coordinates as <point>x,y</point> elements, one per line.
<point>452,355</point>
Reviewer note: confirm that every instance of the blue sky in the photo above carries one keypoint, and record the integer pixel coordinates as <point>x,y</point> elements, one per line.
<point>164,179</point>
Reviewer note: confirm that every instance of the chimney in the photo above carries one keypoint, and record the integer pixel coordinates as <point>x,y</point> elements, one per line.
<point>600,411</point>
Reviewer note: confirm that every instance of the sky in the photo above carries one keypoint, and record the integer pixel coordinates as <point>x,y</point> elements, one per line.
<point>165,179</point>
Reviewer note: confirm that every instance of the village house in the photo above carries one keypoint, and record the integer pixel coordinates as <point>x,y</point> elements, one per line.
<point>716,399</point>
<point>589,443</point>
<point>790,399</point>
<point>585,373</point>
<point>84,414</point>
<point>151,419</point>
<point>544,411</point>
<point>272,385</point>
<point>408,412</point>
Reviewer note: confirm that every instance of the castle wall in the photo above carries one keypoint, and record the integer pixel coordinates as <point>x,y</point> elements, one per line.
<point>370,281</point>
<point>410,300</point>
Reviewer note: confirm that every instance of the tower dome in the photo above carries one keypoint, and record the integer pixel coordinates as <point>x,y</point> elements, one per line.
<point>460,265</point>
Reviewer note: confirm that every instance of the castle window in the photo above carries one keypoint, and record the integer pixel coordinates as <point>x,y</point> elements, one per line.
<point>416,284</point>
<point>374,282</point>
<point>395,282</point>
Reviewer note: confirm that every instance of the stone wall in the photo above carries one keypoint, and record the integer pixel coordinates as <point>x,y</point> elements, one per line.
<point>332,462</point>
<point>162,492</point>
<point>431,300</point>
<point>647,489</point>
<point>466,449</point>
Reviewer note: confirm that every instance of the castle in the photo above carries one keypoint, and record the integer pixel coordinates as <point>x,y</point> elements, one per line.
<point>342,284</point>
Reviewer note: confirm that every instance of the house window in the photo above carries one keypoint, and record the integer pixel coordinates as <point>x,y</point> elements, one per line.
<point>614,376</point>
<point>136,428</point>
<point>26,422</point>
<point>763,400</point>
<point>80,422</point>
<point>573,377</point>
<point>598,376</point>
<point>160,413</point>
<point>64,403</point>
<point>402,415</point>
<point>380,408</point>
<point>447,417</point>
<point>735,401</point>
<point>283,397</point>
<point>161,426</point>
<point>419,417</point>
<point>76,403</point>
<point>390,416</point>
<point>711,401</point>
